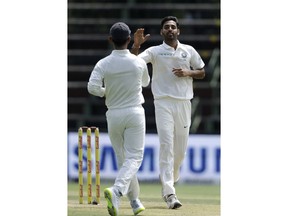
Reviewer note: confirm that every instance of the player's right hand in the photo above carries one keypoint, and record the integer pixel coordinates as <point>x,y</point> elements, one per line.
<point>139,37</point>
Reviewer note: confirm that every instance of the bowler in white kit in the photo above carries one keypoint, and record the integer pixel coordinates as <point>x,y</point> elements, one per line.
<point>175,65</point>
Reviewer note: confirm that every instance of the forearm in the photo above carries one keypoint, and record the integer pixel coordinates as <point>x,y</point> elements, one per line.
<point>135,49</point>
<point>197,74</point>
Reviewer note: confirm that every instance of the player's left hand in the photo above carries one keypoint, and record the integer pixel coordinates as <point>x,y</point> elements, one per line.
<point>179,72</point>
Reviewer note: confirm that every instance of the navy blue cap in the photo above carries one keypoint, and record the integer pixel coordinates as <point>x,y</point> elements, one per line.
<point>120,31</point>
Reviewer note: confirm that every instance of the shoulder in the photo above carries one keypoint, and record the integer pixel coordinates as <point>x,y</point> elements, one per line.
<point>154,48</point>
<point>151,51</point>
<point>103,63</point>
<point>136,58</point>
<point>104,60</point>
<point>187,47</point>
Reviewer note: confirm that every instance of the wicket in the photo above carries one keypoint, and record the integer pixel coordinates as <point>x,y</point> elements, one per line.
<point>89,164</point>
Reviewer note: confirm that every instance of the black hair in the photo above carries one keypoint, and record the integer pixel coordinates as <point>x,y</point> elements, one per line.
<point>119,43</point>
<point>167,18</point>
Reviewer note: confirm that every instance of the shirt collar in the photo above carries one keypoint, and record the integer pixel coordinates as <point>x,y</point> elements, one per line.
<point>121,52</point>
<point>166,46</point>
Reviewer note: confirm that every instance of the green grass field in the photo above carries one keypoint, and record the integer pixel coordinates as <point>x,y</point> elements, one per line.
<point>197,200</point>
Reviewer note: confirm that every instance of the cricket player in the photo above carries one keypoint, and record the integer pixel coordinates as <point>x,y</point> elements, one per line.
<point>123,75</point>
<point>175,65</point>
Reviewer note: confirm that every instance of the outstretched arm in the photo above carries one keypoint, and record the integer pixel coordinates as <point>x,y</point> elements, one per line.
<point>139,39</point>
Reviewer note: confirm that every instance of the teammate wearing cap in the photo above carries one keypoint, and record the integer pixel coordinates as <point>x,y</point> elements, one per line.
<point>175,65</point>
<point>123,75</point>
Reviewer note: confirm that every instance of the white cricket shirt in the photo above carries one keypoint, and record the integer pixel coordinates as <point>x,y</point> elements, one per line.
<point>123,75</point>
<point>163,59</point>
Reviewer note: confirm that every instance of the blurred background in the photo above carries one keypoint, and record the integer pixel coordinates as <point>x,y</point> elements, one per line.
<point>89,22</point>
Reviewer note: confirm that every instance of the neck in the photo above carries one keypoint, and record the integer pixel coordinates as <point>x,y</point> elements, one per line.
<point>172,43</point>
<point>120,47</point>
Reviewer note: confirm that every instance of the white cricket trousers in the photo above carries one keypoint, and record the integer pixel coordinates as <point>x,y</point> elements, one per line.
<point>126,129</point>
<point>173,120</point>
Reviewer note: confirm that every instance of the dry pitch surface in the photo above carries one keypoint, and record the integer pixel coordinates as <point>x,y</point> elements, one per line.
<point>197,200</point>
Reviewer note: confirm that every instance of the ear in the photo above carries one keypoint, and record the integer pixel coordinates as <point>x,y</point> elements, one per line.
<point>178,33</point>
<point>161,32</point>
<point>110,39</point>
<point>129,40</point>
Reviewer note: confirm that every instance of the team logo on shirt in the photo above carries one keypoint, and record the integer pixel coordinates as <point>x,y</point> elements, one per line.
<point>184,55</point>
